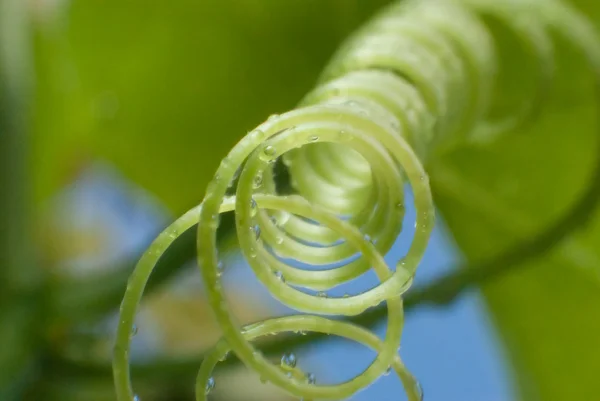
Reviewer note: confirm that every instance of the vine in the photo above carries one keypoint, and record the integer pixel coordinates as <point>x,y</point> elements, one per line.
<point>415,80</point>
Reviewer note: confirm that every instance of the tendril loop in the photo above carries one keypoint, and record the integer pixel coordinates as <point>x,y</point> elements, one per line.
<point>418,77</point>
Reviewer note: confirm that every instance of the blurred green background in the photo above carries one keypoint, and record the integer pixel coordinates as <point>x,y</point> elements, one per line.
<point>114,115</point>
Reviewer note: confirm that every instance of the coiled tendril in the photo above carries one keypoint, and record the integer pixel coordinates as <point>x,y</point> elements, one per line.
<point>418,77</point>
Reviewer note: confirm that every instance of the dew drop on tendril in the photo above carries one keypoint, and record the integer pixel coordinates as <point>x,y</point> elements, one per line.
<point>288,360</point>
<point>419,391</point>
<point>280,276</point>
<point>269,151</point>
<point>258,180</point>
<point>210,385</point>
<point>257,232</point>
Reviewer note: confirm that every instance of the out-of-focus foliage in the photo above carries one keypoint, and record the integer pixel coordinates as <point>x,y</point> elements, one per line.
<point>495,194</point>
<point>164,89</point>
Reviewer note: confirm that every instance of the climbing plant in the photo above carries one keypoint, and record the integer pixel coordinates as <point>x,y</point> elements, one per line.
<point>412,83</point>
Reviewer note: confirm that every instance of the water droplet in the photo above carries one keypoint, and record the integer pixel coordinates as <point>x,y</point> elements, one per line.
<point>210,385</point>
<point>388,371</point>
<point>288,360</point>
<point>134,330</point>
<point>253,208</point>
<point>269,150</point>
<point>252,253</point>
<point>279,276</point>
<point>258,179</point>
<point>257,232</point>
<point>313,138</point>
<point>346,296</point>
<point>282,219</point>
<point>279,240</point>
<point>310,378</point>
<point>368,238</point>
<point>419,390</point>
<point>220,268</point>
<point>256,134</point>
<point>343,135</point>
<point>267,153</point>
<point>322,294</point>
<point>273,117</point>
<point>400,206</point>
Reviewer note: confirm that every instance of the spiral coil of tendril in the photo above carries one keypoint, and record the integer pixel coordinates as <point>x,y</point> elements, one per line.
<point>418,76</point>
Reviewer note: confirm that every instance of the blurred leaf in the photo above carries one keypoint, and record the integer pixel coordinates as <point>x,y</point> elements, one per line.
<point>164,89</point>
<point>185,323</point>
<point>173,325</point>
<point>495,194</point>
<point>248,387</point>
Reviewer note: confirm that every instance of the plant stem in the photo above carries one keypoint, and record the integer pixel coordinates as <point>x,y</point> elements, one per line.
<point>19,275</point>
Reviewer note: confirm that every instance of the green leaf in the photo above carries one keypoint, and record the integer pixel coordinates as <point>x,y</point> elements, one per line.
<point>163,90</point>
<point>496,194</point>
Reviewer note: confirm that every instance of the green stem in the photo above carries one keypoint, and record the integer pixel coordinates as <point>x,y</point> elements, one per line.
<point>19,276</point>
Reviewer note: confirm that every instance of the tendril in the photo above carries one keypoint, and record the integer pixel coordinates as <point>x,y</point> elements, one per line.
<point>418,77</point>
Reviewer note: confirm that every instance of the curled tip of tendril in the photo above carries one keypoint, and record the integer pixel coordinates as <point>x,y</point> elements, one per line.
<point>343,240</point>
<point>417,76</point>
